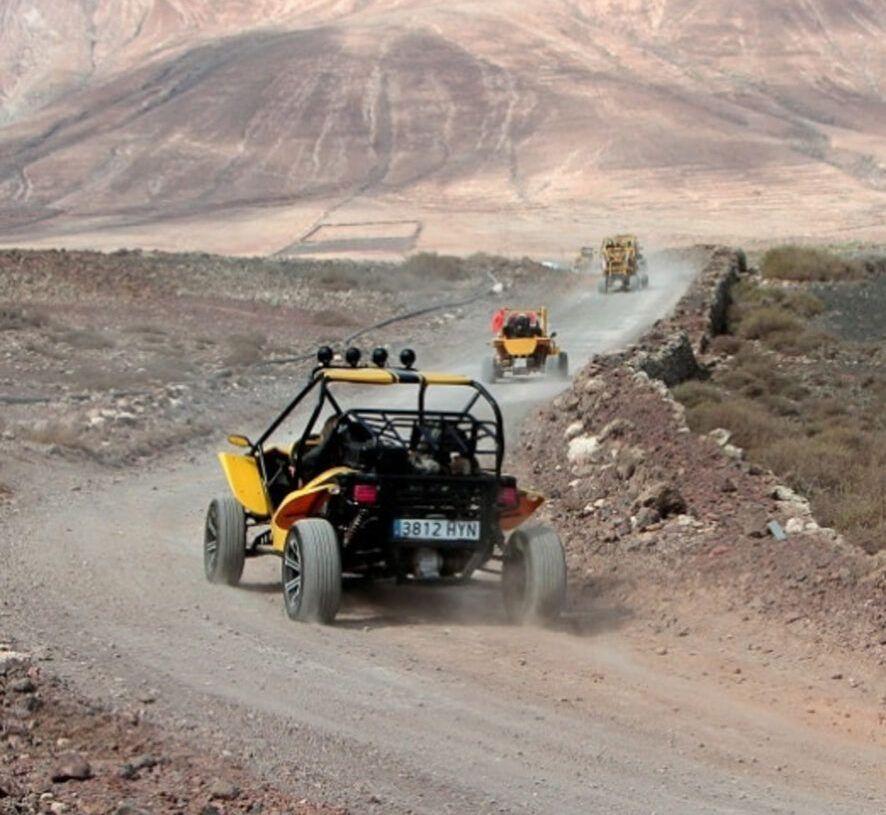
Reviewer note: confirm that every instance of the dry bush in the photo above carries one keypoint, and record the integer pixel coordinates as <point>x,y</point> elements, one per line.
<point>333,317</point>
<point>84,339</point>
<point>843,472</point>
<point>725,344</point>
<point>752,425</point>
<point>753,374</point>
<point>14,317</point>
<point>146,328</point>
<point>58,433</point>
<point>759,323</point>
<point>806,264</point>
<point>431,266</point>
<point>694,393</point>
<point>797,343</point>
<point>244,349</point>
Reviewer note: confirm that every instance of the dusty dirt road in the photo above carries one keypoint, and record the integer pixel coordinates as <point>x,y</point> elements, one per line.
<point>418,700</point>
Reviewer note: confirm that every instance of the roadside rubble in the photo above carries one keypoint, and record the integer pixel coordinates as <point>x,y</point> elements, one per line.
<point>643,499</point>
<point>61,755</point>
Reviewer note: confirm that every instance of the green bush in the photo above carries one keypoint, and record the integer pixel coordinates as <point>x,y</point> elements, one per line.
<point>806,264</point>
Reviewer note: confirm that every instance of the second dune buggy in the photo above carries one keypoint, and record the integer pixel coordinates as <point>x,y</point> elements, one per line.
<point>414,494</point>
<point>523,345</point>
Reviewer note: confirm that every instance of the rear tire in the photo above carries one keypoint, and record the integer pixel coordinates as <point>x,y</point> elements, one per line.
<point>224,541</point>
<point>311,571</point>
<point>563,365</point>
<point>534,576</point>
<point>490,371</point>
<point>602,286</point>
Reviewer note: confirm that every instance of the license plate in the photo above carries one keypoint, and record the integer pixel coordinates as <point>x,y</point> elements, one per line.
<point>436,529</point>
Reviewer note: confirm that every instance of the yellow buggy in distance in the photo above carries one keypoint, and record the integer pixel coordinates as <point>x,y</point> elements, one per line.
<point>414,494</point>
<point>623,264</point>
<point>523,345</point>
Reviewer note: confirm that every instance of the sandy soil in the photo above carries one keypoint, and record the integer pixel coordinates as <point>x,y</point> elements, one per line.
<point>423,700</point>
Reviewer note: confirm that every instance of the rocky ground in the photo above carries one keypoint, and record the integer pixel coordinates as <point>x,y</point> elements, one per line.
<point>59,754</point>
<point>653,513</point>
<point>115,357</point>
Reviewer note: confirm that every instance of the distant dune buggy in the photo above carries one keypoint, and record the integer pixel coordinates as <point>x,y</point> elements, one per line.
<point>414,494</point>
<point>623,264</point>
<point>522,346</point>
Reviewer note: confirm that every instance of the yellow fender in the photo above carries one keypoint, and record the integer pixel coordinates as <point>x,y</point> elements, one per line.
<point>303,503</point>
<point>521,347</point>
<point>246,483</point>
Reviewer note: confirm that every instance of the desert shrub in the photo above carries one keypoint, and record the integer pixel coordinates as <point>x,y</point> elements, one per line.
<point>15,317</point>
<point>334,317</point>
<point>760,322</point>
<point>754,374</point>
<point>694,393</point>
<point>803,303</point>
<point>725,344</point>
<point>62,434</point>
<point>807,264</point>
<point>244,349</point>
<point>752,426</point>
<point>795,343</point>
<point>84,339</point>
<point>432,265</point>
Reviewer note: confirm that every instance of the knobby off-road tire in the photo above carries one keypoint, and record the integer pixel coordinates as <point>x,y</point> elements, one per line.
<point>489,371</point>
<point>224,541</point>
<point>534,576</point>
<point>311,572</point>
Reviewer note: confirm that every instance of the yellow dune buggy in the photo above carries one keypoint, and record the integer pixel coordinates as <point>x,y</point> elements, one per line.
<point>415,494</point>
<point>623,264</point>
<point>523,345</point>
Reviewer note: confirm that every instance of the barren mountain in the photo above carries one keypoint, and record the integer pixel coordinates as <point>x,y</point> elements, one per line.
<point>395,124</point>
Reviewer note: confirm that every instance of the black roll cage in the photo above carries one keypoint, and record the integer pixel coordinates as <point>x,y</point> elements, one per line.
<point>402,377</point>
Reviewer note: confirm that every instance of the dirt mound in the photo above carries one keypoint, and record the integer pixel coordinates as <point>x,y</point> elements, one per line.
<point>645,501</point>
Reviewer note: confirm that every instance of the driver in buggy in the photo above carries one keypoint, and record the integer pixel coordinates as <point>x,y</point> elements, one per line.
<point>521,325</point>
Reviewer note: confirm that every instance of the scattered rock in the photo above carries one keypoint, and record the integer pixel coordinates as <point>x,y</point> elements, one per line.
<point>224,791</point>
<point>720,435</point>
<point>23,685</point>
<point>616,429</point>
<point>646,517</point>
<point>72,767</point>
<point>575,429</point>
<point>663,497</point>
<point>584,450</point>
<point>794,525</point>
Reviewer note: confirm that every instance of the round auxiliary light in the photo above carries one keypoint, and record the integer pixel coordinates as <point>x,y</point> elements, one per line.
<point>380,357</point>
<point>324,355</point>
<point>352,356</point>
<point>407,357</point>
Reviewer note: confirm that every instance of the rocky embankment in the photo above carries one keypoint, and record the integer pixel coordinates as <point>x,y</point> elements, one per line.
<point>646,506</point>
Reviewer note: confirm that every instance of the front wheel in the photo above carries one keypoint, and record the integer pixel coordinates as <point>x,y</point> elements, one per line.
<point>224,541</point>
<point>311,572</point>
<point>534,576</point>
